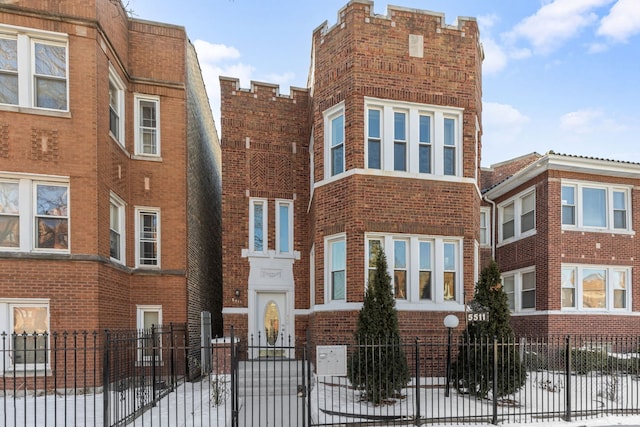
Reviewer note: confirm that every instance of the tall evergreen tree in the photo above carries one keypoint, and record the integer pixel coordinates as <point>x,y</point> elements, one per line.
<point>378,366</point>
<point>473,369</point>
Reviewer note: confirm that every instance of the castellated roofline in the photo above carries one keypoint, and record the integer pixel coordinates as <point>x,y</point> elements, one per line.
<point>265,88</point>
<point>324,27</point>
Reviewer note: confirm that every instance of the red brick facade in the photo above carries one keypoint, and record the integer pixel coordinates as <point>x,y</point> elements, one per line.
<point>408,60</point>
<point>83,286</point>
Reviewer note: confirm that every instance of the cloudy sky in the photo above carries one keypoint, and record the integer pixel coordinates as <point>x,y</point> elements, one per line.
<point>558,75</point>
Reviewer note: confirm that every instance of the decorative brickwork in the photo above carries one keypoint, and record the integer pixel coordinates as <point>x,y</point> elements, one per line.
<point>44,145</point>
<point>4,140</point>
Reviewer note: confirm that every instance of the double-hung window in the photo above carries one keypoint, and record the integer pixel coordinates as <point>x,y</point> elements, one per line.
<point>520,287</point>
<point>147,125</point>
<point>425,148</point>
<point>399,141</point>
<point>284,224</point>
<point>116,106</point>
<point>595,287</point>
<point>33,68</point>
<point>26,323</point>
<point>258,226</point>
<point>485,226</point>
<point>374,139</point>
<point>334,141</point>
<point>424,269</point>
<point>413,138</point>
<point>596,207</point>
<point>336,281</point>
<point>116,229</point>
<point>147,237</point>
<point>34,214</point>
<point>517,216</point>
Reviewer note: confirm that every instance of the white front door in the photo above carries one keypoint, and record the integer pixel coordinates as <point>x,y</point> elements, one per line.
<point>272,323</point>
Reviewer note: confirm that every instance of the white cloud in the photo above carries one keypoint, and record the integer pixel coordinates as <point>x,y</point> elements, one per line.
<point>556,22</point>
<point>622,22</point>
<point>495,59</point>
<point>502,116</point>
<point>588,121</point>
<point>502,127</point>
<point>211,52</point>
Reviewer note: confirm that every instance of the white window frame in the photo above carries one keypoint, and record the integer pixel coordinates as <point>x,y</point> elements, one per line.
<point>139,211</point>
<point>517,213</point>
<point>485,229</point>
<point>610,288</point>
<point>119,104</point>
<point>265,232</point>
<point>609,227</point>
<point>437,115</point>
<point>518,288</point>
<point>413,267</point>
<point>26,38</point>
<point>120,206</point>
<point>28,214</point>
<point>374,139</point>
<point>138,128</point>
<point>328,288</point>
<point>6,325</point>
<point>140,312</point>
<point>289,205</point>
<point>330,115</point>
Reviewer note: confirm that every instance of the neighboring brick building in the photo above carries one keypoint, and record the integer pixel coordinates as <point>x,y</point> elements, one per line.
<point>110,180</point>
<point>382,149</point>
<point>565,240</point>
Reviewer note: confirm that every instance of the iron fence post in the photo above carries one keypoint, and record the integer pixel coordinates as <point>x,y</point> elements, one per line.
<point>308,378</point>
<point>154,352</point>
<point>173,359</point>
<point>105,382</point>
<point>567,415</point>
<point>417,381</point>
<point>446,390</point>
<point>234,385</point>
<point>494,419</point>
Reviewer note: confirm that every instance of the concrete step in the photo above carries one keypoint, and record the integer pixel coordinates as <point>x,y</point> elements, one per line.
<point>275,377</point>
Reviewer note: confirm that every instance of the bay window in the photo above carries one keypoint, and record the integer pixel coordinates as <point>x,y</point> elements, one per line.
<point>595,207</point>
<point>517,216</point>
<point>336,280</point>
<point>520,287</point>
<point>594,287</point>
<point>424,269</point>
<point>33,68</point>
<point>34,213</point>
<point>148,237</point>
<point>334,140</point>
<point>147,125</point>
<point>26,323</point>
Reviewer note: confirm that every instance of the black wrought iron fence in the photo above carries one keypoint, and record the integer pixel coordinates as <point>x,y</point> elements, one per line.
<point>142,378</point>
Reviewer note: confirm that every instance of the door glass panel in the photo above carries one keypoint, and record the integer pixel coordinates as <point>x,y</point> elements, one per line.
<point>271,322</point>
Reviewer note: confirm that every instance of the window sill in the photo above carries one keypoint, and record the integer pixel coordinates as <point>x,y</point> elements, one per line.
<point>36,111</point>
<point>517,238</point>
<point>147,157</point>
<point>20,372</point>
<point>599,230</point>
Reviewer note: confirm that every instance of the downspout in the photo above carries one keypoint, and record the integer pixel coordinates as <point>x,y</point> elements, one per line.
<point>493,223</point>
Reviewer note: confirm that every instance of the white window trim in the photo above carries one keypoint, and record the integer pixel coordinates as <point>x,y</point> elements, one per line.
<point>265,223</point>
<point>328,240</point>
<point>26,37</point>
<point>610,189</point>
<point>517,287</point>
<point>329,115</point>
<point>487,213</point>
<point>117,82</point>
<point>414,111</point>
<point>517,214</point>
<point>140,310</point>
<point>579,268</point>
<point>136,112</point>
<point>138,211</point>
<point>121,205</point>
<point>413,301</point>
<point>6,325</point>
<point>27,195</point>
<point>289,204</point>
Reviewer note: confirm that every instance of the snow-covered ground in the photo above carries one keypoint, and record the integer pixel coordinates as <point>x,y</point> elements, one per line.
<point>333,401</point>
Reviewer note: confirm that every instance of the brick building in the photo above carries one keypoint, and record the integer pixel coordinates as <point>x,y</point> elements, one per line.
<point>109,172</point>
<point>382,150</point>
<point>563,231</point>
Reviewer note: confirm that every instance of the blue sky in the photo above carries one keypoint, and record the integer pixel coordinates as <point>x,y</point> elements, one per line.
<point>558,75</point>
